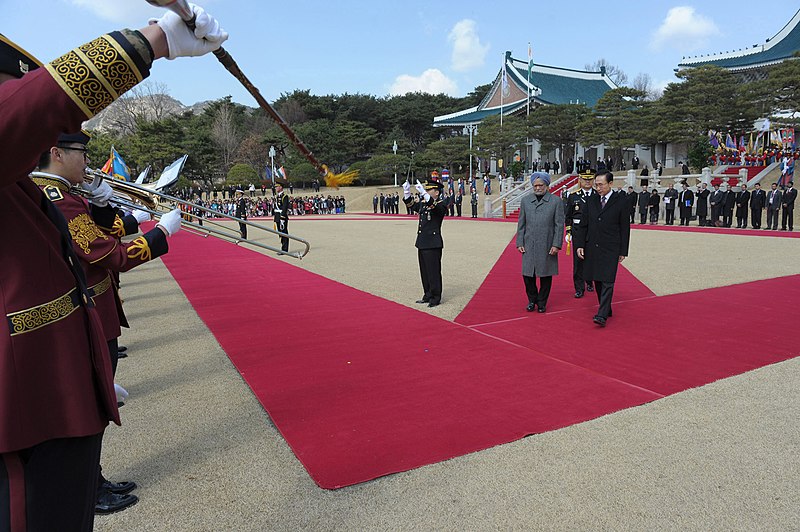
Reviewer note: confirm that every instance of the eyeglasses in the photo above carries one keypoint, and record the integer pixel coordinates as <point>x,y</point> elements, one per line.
<point>84,150</point>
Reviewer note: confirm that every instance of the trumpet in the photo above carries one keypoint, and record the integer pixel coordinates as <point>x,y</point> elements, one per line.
<point>135,196</point>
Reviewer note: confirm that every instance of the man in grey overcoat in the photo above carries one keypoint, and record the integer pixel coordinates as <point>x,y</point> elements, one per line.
<point>540,232</point>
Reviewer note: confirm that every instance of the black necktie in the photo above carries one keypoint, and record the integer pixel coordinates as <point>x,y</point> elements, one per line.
<point>603,202</point>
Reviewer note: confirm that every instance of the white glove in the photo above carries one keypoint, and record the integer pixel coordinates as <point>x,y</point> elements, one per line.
<point>207,37</point>
<point>422,192</point>
<point>121,392</point>
<point>140,215</point>
<point>406,189</point>
<point>100,192</point>
<point>171,221</point>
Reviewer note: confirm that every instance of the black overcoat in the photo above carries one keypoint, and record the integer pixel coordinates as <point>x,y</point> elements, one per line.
<point>604,235</point>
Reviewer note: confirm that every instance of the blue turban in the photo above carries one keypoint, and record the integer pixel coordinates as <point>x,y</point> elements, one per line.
<point>544,176</point>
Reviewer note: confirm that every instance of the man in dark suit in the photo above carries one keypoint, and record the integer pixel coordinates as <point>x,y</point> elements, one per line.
<point>574,210</point>
<point>432,210</point>
<point>644,201</point>
<point>787,211</point>
<point>717,201</point>
<point>602,240</point>
<point>631,197</point>
<point>742,204</point>
<point>773,207</point>
<point>702,204</point>
<point>670,199</point>
<point>728,204</point>
<point>241,213</point>
<point>685,202</point>
<point>757,200</point>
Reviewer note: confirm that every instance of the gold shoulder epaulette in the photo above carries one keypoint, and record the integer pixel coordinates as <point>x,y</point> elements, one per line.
<point>53,193</point>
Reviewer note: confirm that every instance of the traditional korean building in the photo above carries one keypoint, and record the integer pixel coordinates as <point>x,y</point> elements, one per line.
<point>548,85</point>
<point>752,63</point>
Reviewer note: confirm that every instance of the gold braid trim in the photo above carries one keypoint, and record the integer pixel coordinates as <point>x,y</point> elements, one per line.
<point>95,74</point>
<point>119,228</point>
<point>84,231</point>
<point>140,249</point>
<point>28,320</point>
<point>101,287</point>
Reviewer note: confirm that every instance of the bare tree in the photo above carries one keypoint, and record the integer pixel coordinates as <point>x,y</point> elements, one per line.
<point>146,102</point>
<point>613,72</point>
<point>225,133</point>
<point>643,82</point>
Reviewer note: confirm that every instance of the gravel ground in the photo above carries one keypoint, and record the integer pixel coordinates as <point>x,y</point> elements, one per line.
<point>206,456</point>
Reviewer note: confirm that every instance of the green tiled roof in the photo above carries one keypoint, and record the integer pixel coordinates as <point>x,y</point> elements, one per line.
<point>474,117</point>
<point>561,89</point>
<point>787,43</point>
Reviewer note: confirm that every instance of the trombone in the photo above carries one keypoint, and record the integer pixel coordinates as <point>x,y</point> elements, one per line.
<point>135,196</point>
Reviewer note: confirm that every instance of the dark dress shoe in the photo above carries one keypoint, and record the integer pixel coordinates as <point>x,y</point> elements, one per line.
<point>578,294</point>
<point>433,303</point>
<point>109,503</point>
<point>423,300</point>
<point>531,307</point>
<point>122,348</point>
<point>120,488</point>
<point>122,354</point>
<point>590,288</point>
<point>600,320</point>
<point>541,309</point>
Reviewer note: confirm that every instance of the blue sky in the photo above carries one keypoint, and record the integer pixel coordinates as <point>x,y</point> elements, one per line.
<point>381,48</point>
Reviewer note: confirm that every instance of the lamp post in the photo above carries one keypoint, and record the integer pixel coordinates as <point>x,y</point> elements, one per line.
<point>272,161</point>
<point>394,150</point>
<point>470,129</point>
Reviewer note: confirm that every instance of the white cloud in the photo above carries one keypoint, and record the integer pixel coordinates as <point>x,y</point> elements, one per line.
<point>119,11</point>
<point>431,81</point>
<point>468,52</point>
<point>684,30</point>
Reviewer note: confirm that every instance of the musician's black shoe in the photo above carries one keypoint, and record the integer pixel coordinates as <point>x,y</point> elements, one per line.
<point>109,503</point>
<point>531,307</point>
<point>600,320</point>
<point>578,294</point>
<point>120,488</point>
<point>589,288</point>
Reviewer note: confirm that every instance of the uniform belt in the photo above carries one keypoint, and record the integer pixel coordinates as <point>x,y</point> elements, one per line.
<point>28,320</point>
<point>100,287</point>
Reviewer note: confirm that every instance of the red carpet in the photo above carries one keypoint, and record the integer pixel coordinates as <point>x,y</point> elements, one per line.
<point>362,387</point>
<point>502,294</point>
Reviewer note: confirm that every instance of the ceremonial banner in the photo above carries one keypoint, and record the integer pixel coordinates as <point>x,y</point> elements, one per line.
<point>171,173</point>
<point>729,142</point>
<point>116,167</point>
<point>787,138</point>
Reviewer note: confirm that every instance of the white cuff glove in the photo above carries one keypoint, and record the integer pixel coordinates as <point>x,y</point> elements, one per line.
<point>121,392</point>
<point>171,221</point>
<point>406,189</point>
<point>140,215</point>
<point>207,37</point>
<point>100,192</point>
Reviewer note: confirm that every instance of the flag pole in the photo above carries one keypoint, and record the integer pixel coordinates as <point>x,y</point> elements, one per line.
<point>502,88</point>
<point>530,66</point>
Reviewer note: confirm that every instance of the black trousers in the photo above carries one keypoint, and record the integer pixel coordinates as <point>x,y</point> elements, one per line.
<point>474,210</point>
<point>243,230</point>
<point>701,220</point>
<point>541,294</point>
<point>577,273</point>
<point>669,216</point>
<point>633,216</point>
<point>458,209</point>
<point>727,217</point>
<point>283,226</point>
<point>741,218</point>
<point>642,217</point>
<point>50,486</point>
<point>430,271</point>
<point>787,214</point>
<point>605,292</point>
<point>686,215</point>
<point>755,217</point>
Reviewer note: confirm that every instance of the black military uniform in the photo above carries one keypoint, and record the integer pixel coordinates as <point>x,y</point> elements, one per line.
<point>241,213</point>
<point>280,212</point>
<point>574,211</point>
<point>429,242</point>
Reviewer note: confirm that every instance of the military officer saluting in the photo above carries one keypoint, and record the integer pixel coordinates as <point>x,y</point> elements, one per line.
<point>281,211</point>
<point>575,209</point>
<point>432,209</point>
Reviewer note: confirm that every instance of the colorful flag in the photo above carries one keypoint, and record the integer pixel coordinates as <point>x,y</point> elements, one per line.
<point>742,146</point>
<point>729,142</point>
<point>116,167</point>
<point>750,145</point>
<point>268,172</point>
<point>712,139</point>
<point>775,138</point>
<point>787,138</point>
